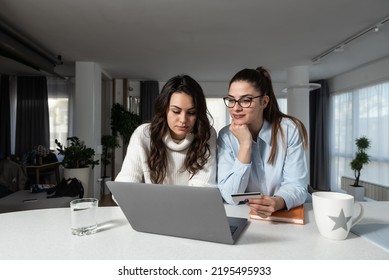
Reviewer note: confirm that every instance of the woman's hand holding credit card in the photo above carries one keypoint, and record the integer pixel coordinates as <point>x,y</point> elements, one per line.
<point>243,197</point>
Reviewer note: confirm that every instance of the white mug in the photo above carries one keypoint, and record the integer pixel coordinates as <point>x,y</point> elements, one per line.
<point>334,214</point>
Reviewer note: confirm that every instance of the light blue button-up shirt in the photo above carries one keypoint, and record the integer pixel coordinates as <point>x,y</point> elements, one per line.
<point>287,178</point>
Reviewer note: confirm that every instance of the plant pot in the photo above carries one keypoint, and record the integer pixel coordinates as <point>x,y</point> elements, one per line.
<point>81,174</point>
<point>357,192</point>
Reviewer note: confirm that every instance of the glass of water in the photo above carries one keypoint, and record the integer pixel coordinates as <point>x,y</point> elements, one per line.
<point>84,216</point>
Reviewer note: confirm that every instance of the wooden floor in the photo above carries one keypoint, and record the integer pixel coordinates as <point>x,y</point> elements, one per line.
<point>107,200</point>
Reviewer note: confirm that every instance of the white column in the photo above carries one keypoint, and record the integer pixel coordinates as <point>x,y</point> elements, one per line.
<point>298,97</point>
<point>87,114</point>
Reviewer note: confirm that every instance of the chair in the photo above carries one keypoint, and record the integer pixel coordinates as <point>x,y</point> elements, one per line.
<point>42,172</point>
<point>13,177</point>
<point>46,176</point>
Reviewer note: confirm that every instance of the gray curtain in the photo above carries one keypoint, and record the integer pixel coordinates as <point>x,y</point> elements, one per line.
<point>32,114</point>
<point>5,122</point>
<point>319,118</point>
<point>149,91</point>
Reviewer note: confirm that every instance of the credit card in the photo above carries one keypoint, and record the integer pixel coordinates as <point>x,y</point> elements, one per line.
<point>241,197</point>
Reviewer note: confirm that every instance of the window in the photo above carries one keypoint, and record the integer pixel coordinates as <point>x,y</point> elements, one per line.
<point>59,94</point>
<point>219,112</point>
<point>361,112</point>
<point>283,104</point>
<point>58,115</point>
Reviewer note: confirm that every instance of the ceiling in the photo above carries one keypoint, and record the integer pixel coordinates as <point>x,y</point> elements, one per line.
<point>209,40</point>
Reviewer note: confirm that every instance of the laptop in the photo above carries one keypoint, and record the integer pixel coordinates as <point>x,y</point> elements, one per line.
<point>174,210</point>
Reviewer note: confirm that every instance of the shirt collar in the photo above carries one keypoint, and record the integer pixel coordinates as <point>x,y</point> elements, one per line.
<point>265,132</point>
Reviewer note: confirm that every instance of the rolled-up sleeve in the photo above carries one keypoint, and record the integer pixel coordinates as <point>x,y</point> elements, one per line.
<point>232,175</point>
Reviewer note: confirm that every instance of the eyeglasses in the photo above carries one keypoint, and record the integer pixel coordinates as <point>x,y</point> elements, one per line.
<point>243,102</point>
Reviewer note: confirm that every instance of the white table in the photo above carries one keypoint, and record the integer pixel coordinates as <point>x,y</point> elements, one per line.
<point>45,234</point>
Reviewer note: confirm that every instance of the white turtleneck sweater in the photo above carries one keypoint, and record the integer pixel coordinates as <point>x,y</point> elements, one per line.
<point>136,169</point>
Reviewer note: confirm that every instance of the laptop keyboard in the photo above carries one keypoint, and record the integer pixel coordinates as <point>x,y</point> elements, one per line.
<point>233,229</point>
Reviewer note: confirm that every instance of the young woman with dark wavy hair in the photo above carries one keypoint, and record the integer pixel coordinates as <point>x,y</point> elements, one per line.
<point>263,149</point>
<point>179,145</point>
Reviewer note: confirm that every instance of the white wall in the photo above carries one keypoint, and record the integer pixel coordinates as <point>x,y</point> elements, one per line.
<point>211,89</point>
<point>365,75</point>
<point>220,89</point>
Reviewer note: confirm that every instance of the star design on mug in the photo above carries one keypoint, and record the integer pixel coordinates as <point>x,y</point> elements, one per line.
<point>340,221</point>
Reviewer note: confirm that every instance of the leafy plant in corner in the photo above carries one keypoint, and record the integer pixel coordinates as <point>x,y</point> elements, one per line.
<point>361,158</point>
<point>76,155</point>
<point>123,122</point>
<point>109,143</point>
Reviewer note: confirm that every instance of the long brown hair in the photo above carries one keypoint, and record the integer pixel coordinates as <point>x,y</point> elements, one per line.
<point>199,150</point>
<point>260,79</point>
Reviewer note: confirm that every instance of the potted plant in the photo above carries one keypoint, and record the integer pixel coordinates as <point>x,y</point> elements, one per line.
<point>361,158</point>
<point>77,160</point>
<point>109,143</point>
<point>123,122</point>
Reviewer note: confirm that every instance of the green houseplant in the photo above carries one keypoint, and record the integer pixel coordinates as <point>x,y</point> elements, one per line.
<point>361,158</point>
<point>76,155</point>
<point>109,143</point>
<point>123,122</point>
<point>77,161</point>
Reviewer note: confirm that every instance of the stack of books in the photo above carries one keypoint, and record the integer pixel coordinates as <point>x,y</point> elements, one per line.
<point>294,216</point>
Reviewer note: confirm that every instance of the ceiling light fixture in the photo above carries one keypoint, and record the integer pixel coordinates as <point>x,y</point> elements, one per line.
<point>298,80</point>
<point>340,47</point>
<point>309,87</point>
<point>377,28</point>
